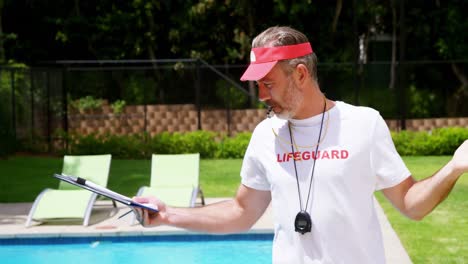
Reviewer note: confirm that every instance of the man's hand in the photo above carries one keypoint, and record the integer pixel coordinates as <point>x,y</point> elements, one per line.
<point>460,158</point>
<point>149,218</point>
<point>416,199</point>
<point>229,216</point>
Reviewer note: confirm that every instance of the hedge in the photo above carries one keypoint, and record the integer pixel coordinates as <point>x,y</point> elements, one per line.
<point>442,141</point>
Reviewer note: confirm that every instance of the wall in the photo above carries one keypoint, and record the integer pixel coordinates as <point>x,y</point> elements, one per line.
<point>182,118</point>
<point>160,118</point>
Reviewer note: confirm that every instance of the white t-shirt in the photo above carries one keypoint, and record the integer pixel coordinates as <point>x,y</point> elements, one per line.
<point>356,157</point>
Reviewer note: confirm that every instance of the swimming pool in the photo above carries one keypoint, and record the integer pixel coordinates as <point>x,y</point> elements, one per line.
<point>187,248</point>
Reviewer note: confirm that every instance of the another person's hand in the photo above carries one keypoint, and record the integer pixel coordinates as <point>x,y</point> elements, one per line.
<point>146,217</point>
<point>460,158</point>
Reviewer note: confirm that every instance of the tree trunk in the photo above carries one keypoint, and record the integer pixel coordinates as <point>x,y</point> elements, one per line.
<point>460,75</point>
<point>247,5</point>
<point>456,102</point>
<point>77,8</point>
<point>152,54</point>
<point>2,38</point>
<point>339,6</point>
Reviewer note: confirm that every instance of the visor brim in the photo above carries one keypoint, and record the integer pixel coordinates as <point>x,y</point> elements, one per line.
<point>257,71</point>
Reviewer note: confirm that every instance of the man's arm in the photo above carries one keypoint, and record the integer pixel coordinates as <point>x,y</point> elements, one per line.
<point>416,199</point>
<point>229,216</point>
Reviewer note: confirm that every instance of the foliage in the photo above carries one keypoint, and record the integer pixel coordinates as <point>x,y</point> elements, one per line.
<point>451,42</point>
<point>17,76</point>
<point>140,29</point>
<point>141,147</point>
<point>6,133</point>
<point>118,106</point>
<point>229,95</point>
<point>234,147</point>
<point>422,103</point>
<point>441,141</point>
<point>202,142</point>
<point>163,143</point>
<point>221,33</point>
<point>7,137</point>
<point>33,145</point>
<point>86,103</point>
<point>119,146</point>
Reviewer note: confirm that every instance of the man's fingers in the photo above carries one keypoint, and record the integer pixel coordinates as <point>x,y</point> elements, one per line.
<point>138,215</point>
<point>140,199</point>
<point>146,219</point>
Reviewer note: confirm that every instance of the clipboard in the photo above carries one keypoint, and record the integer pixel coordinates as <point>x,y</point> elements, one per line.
<point>90,186</point>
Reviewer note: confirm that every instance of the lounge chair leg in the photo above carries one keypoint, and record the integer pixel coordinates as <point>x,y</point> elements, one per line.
<point>201,196</point>
<point>89,209</point>
<point>33,208</point>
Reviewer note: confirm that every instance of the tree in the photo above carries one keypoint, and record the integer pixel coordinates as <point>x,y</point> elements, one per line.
<point>451,45</point>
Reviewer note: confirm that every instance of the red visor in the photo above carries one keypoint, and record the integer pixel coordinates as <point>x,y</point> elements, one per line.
<point>263,59</point>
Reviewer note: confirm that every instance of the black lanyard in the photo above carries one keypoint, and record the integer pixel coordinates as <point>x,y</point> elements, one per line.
<point>303,222</point>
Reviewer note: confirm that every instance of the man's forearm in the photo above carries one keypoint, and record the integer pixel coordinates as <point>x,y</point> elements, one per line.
<point>229,216</point>
<point>222,217</point>
<point>426,194</point>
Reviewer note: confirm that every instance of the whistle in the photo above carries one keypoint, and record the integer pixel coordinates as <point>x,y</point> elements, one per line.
<point>269,114</point>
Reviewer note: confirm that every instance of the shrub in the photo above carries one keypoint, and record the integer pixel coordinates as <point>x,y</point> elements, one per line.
<point>234,147</point>
<point>127,146</point>
<point>87,102</point>
<point>441,141</point>
<point>164,143</point>
<point>450,139</point>
<point>7,142</point>
<point>7,135</point>
<point>202,142</point>
<point>118,106</point>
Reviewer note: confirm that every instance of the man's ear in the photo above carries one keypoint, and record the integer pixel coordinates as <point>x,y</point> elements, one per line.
<point>302,73</point>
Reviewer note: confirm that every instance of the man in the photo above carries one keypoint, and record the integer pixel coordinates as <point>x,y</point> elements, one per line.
<point>318,162</point>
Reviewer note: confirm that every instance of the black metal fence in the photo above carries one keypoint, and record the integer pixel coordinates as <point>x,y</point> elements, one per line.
<point>34,101</point>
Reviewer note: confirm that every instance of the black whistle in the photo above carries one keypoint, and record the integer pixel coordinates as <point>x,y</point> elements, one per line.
<point>268,114</point>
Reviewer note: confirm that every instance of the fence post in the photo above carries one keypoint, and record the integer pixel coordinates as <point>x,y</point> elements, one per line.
<point>228,106</point>
<point>13,101</point>
<point>356,72</point>
<point>145,119</point>
<point>31,77</point>
<point>49,139</point>
<point>65,105</point>
<point>197,92</point>
<point>402,66</point>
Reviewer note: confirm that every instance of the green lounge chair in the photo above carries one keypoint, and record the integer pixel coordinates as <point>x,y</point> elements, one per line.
<point>68,201</point>
<point>174,179</point>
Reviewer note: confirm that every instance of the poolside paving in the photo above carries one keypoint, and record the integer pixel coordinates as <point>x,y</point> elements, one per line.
<point>105,222</point>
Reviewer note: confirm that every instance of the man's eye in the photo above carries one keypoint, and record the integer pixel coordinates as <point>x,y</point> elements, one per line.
<point>268,85</point>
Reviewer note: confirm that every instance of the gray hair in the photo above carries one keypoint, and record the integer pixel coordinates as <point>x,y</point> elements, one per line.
<point>281,36</point>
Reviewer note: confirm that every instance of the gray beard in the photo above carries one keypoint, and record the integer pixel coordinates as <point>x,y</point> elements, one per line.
<point>285,116</point>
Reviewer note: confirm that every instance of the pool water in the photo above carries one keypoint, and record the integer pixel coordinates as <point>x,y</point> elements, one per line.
<point>203,249</point>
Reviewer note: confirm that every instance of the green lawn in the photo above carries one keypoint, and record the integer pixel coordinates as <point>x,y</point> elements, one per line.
<point>442,237</point>
<point>22,178</point>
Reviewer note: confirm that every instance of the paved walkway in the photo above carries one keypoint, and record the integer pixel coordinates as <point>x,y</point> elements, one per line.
<point>105,222</point>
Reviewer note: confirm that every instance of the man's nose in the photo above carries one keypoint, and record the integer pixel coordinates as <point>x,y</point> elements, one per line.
<point>263,93</point>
